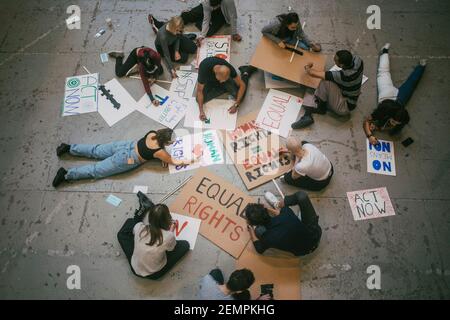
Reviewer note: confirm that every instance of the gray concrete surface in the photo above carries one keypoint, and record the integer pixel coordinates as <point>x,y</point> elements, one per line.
<point>43,230</point>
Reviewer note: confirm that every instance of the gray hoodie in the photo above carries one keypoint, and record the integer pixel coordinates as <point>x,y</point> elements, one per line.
<point>272,29</point>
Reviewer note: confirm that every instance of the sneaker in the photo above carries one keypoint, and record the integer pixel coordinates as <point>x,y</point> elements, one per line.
<point>62,149</point>
<point>116,54</point>
<point>134,70</point>
<point>60,177</point>
<point>271,199</point>
<point>249,70</point>
<point>151,20</point>
<point>385,48</point>
<point>304,121</point>
<point>423,62</point>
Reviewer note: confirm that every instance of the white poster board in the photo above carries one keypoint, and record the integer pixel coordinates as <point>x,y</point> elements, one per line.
<point>183,87</point>
<point>187,228</point>
<point>111,114</point>
<point>80,95</point>
<point>370,204</point>
<point>170,110</point>
<point>336,68</point>
<point>217,114</point>
<point>381,158</point>
<point>213,46</point>
<point>278,112</point>
<point>206,143</point>
<point>275,82</point>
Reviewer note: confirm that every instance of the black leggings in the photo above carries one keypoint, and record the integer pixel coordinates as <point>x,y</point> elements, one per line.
<point>123,68</point>
<point>126,240</point>
<point>195,15</point>
<point>306,182</point>
<point>187,46</point>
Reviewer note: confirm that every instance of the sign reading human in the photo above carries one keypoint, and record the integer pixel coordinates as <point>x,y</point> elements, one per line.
<point>381,158</point>
<point>370,204</point>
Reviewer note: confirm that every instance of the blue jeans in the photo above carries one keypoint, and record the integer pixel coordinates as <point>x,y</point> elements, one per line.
<point>301,44</point>
<point>406,90</point>
<point>115,158</point>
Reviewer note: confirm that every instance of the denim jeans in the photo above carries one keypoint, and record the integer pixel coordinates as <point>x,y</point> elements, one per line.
<point>116,158</point>
<point>301,44</point>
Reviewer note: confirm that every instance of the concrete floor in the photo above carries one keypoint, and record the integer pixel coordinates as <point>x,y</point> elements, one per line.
<point>43,231</point>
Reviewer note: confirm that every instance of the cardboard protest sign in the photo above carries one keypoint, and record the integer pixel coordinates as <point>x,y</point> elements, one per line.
<point>214,46</point>
<point>114,102</point>
<point>80,95</point>
<point>221,207</point>
<point>272,81</point>
<point>381,158</point>
<point>282,272</point>
<point>336,68</point>
<point>278,112</point>
<point>206,143</point>
<point>271,58</point>
<point>216,112</point>
<point>186,229</point>
<point>183,87</point>
<point>170,110</point>
<point>255,153</point>
<point>370,204</point>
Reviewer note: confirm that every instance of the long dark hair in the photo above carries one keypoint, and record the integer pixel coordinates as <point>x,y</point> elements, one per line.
<point>388,109</point>
<point>239,282</point>
<point>286,20</point>
<point>163,137</point>
<point>159,219</point>
<point>257,214</point>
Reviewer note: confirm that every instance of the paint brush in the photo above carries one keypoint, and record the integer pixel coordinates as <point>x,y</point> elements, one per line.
<point>293,52</point>
<point>86,69</point>
<point>278,188</point>
<point>175,190</point>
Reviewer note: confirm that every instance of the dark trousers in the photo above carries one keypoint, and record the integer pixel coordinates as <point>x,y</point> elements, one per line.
<point>308,215</point>
<point>187,46</point>
<point>213,91</point>
<point>195,15</point>
<point>306,182</point>
<point>123,68</point>
<point>406,90</point>
<point>126,240</point>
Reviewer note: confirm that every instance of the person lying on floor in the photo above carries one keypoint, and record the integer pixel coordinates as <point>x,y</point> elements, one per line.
<point>216,77</point>
<point>338,91</point>
<point>391,113</point>
<point>173,45</point>
<point>142,60</point>
<point>151,249</point>
<point>209,16</point>
<point>213,286</point>
<point>278,226</point>
<point>312,170</point>
<point>286,30</point>
<point>117,157</point>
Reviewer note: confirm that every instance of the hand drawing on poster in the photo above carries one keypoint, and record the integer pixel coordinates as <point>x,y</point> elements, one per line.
<point>370,204</point>
<point>186,228</point>
<point>116,104</point>
<point>183,87</point>
<point>80,95</point>
<point>381,158</point>
<point>217,115</point>
<point>214,46</point>
<point>278,112</point>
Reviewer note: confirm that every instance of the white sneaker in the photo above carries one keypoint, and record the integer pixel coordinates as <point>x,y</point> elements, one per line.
<point>133,70</point>
<point>272,199</point>
<point>386,46</point>
<point>423,62</point>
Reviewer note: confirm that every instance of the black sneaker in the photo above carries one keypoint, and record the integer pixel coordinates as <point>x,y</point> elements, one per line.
<point>151,20</point>
<point>60,177</point>
<point>116,54</point>
<point>247,69</point>
<point>304,121</point>
<point>62,149</point>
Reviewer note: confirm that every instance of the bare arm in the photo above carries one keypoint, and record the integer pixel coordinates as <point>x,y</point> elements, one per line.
<point>368,130</point>
<point>313,72</point>
<point>242,88</point>
<point>164,156</point>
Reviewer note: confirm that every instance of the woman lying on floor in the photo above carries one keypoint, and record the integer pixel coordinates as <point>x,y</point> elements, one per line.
<point>117,157</point>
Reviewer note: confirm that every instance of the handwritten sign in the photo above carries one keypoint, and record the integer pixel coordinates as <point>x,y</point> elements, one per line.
<point>106,108</point>
<point>170,110</point>
<point>207,143</point>
<point>80,95</point>
<point>220,206</point>
<point>186,228</point>
<point>381,158</point>
<point>183,87</point>
<point>255,153</point>
<point>217,115</point>
<point>278,112</point>
<point>370,204</point>
<point>215,46</point>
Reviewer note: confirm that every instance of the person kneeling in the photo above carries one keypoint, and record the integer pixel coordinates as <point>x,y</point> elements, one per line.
<point>151,249</point>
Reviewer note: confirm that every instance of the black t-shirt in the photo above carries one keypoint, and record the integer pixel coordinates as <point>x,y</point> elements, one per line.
<point>206,73</point>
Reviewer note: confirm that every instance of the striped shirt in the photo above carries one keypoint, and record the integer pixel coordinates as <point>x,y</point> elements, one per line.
<point>349,81</point>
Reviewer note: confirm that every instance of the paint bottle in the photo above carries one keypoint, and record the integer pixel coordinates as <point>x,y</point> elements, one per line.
<point>109,22</point>
<point>101,32</point>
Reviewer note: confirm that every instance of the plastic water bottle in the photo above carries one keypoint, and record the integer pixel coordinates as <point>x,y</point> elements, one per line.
<point>98,34</point>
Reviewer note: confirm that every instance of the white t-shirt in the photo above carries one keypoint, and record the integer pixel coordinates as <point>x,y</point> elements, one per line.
<point>314,164</point>
<point>146,259</point>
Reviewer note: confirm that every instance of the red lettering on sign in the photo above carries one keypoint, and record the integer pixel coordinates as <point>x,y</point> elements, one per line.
<point>178,230</point>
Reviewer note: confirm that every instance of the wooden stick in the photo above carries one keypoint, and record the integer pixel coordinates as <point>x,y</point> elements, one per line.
<point>278,188</point>
<point>135,77</point>
<point>86,69</point>
<point>175,190</point>
<point>293,52</point>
